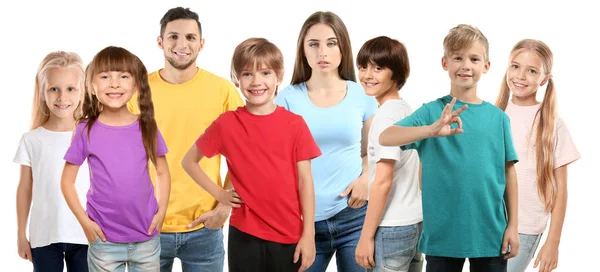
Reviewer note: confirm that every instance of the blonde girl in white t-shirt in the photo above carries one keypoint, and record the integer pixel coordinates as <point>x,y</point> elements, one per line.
<point>544,147</point>
<point>55,237</point>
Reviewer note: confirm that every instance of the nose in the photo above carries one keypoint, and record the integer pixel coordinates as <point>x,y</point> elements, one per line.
<point>521,73</point>
<point>368,73</point>
<point>181,43</point>
<point>62,95</point>
<point>115,82</point>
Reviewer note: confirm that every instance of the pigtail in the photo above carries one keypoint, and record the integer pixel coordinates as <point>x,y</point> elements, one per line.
<point>544,149</point>
<point>147,122</point>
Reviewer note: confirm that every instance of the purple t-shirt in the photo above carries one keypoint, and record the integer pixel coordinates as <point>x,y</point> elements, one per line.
<point>121,196</point>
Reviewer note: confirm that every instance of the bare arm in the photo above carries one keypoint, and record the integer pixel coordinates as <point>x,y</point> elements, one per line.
<point>163,185</point>
<point>306,246</point>
<point>511,198</point>
<point>24,191</point>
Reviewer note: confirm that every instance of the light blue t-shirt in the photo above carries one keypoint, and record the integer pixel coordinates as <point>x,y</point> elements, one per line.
<point>337,131</point>
<point>463,181</point>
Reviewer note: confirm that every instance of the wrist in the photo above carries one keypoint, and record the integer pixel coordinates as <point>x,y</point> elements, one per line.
<point>552,241</point>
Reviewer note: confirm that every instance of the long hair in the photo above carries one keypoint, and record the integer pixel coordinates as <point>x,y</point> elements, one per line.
<point>119,59</point>
<point>543,124</point>
<point>40,113</point>
<point>302,70</point>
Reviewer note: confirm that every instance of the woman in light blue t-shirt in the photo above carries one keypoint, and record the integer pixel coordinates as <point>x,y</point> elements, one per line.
<point>338,112</point>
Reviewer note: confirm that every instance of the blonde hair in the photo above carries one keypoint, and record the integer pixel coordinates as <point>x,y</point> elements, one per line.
<point>463,36</point>
<point>114,58</point>
<point>543,123</point>
<point>255,52</point>
<point>40,112</point>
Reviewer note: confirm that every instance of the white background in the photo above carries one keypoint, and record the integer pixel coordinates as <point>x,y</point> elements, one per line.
<point>31,29</point>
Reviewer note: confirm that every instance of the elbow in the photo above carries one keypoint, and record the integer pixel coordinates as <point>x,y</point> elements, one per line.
<point>384,139</point>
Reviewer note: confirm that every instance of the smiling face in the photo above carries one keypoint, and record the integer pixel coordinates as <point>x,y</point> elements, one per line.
<point>321,49</point>
<point>466,66</point>
<point>181,42</point>
<point>377,81</point>
<point>525,74</point>
<point>62,94</point>
<point>258,85</point>
<point>113,88</point>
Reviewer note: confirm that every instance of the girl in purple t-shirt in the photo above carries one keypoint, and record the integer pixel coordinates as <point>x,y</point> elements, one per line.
<point>122,216</point>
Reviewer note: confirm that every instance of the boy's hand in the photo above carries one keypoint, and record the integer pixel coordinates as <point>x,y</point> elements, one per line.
<point>364,252</point>
<point>441,127</point>
<point>157,222</point>
<point>511,238</point>
<point>93,231</point>
<point>358,191</point>
<point>214,219</point>
<point>229,197</point>
<point>24,248</point>
<point>305,249</point>
<point>547,258</point>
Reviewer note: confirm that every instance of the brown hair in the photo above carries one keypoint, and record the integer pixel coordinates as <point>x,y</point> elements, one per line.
<point>463,36</point>
<point>179,13</point>
<point>386,53</point>
<point>119,59</point>
<point>302,70</point>
<point>40,112</point>
<point>253,53</point>
<point>543,123</point>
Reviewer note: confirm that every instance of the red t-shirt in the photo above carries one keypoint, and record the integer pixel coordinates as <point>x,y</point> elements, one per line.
<point>262,152</point>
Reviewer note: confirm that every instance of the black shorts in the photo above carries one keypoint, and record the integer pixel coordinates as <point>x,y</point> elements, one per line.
<point>247,253</point>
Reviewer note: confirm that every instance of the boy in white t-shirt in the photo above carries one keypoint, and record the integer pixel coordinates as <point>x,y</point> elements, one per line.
<point>393,222</point>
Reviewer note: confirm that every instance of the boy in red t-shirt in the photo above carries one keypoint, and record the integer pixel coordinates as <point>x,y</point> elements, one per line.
<point>268,151</point>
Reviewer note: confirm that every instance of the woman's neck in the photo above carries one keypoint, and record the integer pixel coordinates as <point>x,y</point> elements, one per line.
<point>323,82</point>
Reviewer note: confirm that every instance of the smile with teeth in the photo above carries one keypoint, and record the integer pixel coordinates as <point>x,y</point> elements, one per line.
<point>371,84</point>
<point>114,95</point>
<point>62,107</point>
<point>464,76</point>
<point>257,92</point>
<point>181,54</point>
<point>519,85</point>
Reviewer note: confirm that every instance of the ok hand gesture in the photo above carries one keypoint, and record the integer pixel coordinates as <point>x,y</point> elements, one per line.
<point>441,127</point>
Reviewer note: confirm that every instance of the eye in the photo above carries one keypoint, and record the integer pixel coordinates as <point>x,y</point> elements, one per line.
<point>246,74</point>
<point>475,59</point>
<point>331,43</point>
<point>377,68</point>
<point>532,71</point>
<point>514,66</point>
<point>266,73</point>
<point>362,68</point>
<point>53,89</point>
<point>191,37</point>
<point>457,58</point>
<point>103,76</point>
<point>124,76</point>
<point>313,45</point>
<point>71,89</point>
<point>173,37</point>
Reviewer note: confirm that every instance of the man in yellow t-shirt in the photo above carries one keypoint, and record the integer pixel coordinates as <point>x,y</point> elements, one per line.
<point>187,100</point>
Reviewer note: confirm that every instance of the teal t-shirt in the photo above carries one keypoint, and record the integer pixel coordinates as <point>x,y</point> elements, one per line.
<point>337,131</point>
<point>463,180</point>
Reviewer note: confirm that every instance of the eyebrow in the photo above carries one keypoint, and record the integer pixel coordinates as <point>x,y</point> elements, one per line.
<point>176,33</point>
<point>530,66</point>
<point>316,40</point>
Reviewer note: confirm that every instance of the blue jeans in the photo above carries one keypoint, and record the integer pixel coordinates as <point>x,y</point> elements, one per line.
<point>137,257</point>
<point>339,234</point>
<point>200,250</point>
<point>396,249</point>
<point>528,244</point>
<point>52,258</point>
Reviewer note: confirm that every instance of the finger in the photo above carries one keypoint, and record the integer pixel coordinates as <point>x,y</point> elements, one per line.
<point>296,254</point>
<point>237,198</point>
<point>101,235</point>
<point>347,191</point>
<point>371,261</point>
<point>460,110</point>
<point>152,227</point>
<point>451,105</point>
<point>304,263</point>
<point>458,121</point>
<point>234,205</point>
<point>28,255</point>
<point>198,220</point>
<point>504,245</point>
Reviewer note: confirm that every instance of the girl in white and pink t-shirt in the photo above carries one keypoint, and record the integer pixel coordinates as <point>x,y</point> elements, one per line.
<point>544,147</point>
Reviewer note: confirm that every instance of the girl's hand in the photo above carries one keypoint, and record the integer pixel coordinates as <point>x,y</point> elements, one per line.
<point>24,248</point>
<point>230,198</point>
<point>157,222</point>
<point>441,127</point>
<point>364,252</point>
<point>547,258</point>
<point>511,238</point>
<point>93,231</point>
<point>305,249</point>
<point>358,191</point>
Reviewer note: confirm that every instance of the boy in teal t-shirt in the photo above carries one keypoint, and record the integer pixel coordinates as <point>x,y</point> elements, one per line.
<point>468,177</point>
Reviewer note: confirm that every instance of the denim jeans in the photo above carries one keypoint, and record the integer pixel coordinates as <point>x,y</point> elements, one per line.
<point>528,244</point>
<point>52,258</point>
<point>396,249</point>
<point>137,257</point>
<point>339,234</point>
<point>200,250</point>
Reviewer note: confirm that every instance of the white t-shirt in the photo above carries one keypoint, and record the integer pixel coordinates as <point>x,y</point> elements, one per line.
<point>533,216</point>
<point>51,220</point>
<point>404,203</point>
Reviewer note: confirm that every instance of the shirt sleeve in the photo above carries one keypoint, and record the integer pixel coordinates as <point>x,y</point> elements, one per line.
<point>565,151</point>
<point>210,142</point>
<point>233,99</point>
<point>161,146</point>
<point>418,118</point>
<point>509,148</point>
<point>382,121</point>
<point>76,154</point>
<point>22,156</point>
<point>306,148</point>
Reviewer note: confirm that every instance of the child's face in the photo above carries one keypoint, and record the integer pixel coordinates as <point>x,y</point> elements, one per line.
<point>181,43</point>
<point>63,92</point>
<point>525,73</point>
<point>466,66</point>
<point>258,86</point>
<point>376,81</point>
<point>114,88</point>
<point>321,49</point>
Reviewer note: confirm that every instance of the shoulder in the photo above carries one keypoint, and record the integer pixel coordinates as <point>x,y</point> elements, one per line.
<point>291,90</point>
<point>213,78</point>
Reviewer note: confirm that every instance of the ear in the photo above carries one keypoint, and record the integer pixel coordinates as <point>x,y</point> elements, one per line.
<point>237,84</point>
<point>546,79</point>
<point>486,67</point>
<point>201,45</point>
<point>444,63</point>
<point>159,41</point>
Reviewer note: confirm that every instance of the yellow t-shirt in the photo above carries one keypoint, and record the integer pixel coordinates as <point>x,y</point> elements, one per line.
<point>183,112</point>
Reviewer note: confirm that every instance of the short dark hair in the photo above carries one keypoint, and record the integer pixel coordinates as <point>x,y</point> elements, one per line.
<point>386,53</point>
<point>176,14</point>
